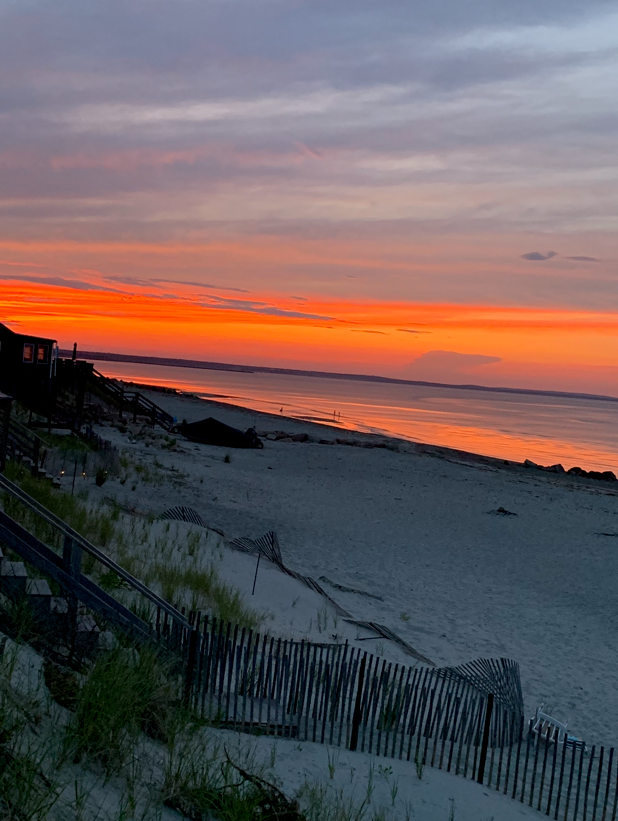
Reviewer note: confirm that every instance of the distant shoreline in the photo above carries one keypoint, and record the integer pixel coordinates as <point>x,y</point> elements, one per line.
<point>222,366</point>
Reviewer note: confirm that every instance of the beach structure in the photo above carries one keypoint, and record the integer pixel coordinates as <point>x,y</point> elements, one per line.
<point>212,432</point>
<point>28,367</point>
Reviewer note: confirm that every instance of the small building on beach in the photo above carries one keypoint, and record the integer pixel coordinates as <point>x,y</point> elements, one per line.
<point>28,367</point>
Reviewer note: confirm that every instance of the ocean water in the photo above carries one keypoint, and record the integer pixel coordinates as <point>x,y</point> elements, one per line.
<point>545,429</point>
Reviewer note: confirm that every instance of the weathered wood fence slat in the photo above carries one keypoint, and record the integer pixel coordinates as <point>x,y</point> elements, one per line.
<point>448,718</point>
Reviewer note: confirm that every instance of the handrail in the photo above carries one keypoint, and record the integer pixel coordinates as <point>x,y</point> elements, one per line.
<point>142,402</point>
<point>67,530</point>
<point>21,439</point>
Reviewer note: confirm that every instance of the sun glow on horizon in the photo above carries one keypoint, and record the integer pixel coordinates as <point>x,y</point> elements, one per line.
<point>555,349</point>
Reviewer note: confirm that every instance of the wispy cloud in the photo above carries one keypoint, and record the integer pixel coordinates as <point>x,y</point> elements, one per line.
<point>259,308</point>
<point>584,259</point>
<point>194,284</point>
<point>14,264</point>
<point>60,282</point>
<point>362,331</point>
<point>412,331</point>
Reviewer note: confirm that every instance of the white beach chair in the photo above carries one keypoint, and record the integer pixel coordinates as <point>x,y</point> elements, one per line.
<point>553,731</point>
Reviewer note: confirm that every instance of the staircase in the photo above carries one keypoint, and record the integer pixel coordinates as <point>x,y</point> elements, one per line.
<point>70,618</point>
<point>25,447</point>
<point>53,617</point>
<point>132,402</point>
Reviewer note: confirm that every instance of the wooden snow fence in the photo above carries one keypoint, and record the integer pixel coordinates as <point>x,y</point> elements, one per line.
<point>467,720</point>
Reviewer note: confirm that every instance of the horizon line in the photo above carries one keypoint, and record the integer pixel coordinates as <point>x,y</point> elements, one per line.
<point>198,364</point>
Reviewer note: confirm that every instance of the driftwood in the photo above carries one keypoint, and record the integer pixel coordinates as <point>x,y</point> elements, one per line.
<point>265,803</point>
<point>273,804</point>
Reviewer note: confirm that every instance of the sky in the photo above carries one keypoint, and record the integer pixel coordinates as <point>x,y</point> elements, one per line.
<point>410,189</point>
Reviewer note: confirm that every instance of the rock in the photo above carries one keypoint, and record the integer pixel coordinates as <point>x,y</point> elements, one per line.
<point>299,437</point>
<point>529,464</point>
<point>271,436</point>
<point>604,476</point>
<point>502,511</point>
<point>577,471</point>
<point>555,469</point>
<point>326,442</point>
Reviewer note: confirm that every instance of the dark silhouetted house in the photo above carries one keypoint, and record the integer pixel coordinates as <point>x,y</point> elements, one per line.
<point>28,367</point>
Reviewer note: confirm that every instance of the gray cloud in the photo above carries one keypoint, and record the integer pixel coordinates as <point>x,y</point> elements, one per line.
<point>255,307</point>
<point>412,331</point>
<point>75,284</point>
<point>584,259</point>
<point>193,284</point>
<point>538,256</point>
<point>361,331</point>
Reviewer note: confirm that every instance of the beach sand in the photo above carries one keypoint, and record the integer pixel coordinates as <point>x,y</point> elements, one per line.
<point>417,526</point>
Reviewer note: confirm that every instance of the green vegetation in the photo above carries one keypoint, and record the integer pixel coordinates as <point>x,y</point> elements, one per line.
<point>175,560</point>
<point>118,733</point>
<point>126,693</point>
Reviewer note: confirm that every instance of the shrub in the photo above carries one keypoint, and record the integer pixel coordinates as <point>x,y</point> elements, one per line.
<point>125,693</point>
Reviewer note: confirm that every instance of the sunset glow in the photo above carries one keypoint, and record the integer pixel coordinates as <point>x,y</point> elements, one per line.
<point>420,199</point>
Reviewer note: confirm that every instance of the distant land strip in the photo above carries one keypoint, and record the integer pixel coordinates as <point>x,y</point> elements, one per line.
<point>355,377</point>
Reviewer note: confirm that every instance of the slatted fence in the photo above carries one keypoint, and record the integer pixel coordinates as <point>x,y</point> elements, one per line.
<point>438,717</point>
<point>467,720</point>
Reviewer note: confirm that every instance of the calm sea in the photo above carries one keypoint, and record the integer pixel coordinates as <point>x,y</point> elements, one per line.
<point>546,429</point>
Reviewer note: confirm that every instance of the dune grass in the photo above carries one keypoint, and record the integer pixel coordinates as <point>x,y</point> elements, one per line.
<point>175,561</point>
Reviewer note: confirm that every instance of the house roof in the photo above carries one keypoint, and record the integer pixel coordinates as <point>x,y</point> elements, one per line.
<point>4,329</point>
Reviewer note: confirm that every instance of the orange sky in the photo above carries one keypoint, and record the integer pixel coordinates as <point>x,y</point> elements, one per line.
<point>554,349</point>
<point>354,187</point>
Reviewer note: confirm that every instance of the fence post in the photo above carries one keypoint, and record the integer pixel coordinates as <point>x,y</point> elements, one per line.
<point>485,742</point>
<point>72,561</point>
<point>193,636</point>
<point>37,453</point>
<point>5,405</point>
<point>357,706</point>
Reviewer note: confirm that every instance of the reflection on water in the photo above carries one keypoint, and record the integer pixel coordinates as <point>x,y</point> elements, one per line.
<point>545,429</point>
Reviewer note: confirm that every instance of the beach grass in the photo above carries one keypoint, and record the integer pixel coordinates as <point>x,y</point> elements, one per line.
<point>177,563</point>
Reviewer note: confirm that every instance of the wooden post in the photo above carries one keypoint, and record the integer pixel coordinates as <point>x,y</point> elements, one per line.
<point>72,560</point>
<point>485,742</point>
<point>257,567</point>
<point>5,407</point>
<point>357,706</point>
<point>121,404</point>
<point>135,406</point>
<point>193,636</point>
<point>72,557</point>
<point>37,456</point>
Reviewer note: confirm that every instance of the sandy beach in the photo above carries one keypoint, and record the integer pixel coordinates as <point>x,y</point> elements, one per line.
<point>418,527</point>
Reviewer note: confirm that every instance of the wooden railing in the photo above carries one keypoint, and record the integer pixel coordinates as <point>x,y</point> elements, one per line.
<point>22,444</point>
<point>66,569</point>
<point>133,402</point>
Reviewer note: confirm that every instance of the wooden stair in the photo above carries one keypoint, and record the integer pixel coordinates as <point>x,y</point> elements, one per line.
<point>53,615</point>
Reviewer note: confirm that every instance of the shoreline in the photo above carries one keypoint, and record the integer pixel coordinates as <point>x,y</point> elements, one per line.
<point>197,364</point>
<point>466,556</point>
<point>395,443</point>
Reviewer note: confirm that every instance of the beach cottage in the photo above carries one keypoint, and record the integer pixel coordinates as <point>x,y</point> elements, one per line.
<point>28,367</point>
